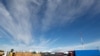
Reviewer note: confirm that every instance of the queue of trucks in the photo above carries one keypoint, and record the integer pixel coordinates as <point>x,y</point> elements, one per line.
<point>70,53</point>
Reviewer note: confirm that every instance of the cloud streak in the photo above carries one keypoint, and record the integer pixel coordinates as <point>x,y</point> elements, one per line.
<point>62,12</point>
<point>21,18</point>
<point>19,30</point>
<point>92,45</point>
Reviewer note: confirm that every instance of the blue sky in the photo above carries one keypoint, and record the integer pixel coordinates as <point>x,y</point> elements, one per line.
<point>49,25</point>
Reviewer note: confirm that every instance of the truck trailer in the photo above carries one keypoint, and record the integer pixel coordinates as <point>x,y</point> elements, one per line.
<point>84,53</point>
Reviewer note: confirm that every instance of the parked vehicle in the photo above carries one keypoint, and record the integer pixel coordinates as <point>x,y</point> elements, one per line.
<point>84,53</point>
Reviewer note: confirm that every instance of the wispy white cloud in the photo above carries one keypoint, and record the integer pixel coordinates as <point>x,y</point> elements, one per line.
<point>20,31</point>
<point>20,17</point>
<point>44,45</point>
<point>92,45</point>
<point>61,13</point>
<point>22,47</point>
<point>16,21</point>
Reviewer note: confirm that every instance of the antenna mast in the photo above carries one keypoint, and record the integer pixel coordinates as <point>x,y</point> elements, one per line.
<point>82,41</point>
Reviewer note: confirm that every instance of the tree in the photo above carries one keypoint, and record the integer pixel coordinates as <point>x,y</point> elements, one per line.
<point>12,50</point>
<point>34,52</point>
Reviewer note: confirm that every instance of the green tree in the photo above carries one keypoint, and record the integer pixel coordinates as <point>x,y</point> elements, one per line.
<point>34,52</point>
<point>12,50</point>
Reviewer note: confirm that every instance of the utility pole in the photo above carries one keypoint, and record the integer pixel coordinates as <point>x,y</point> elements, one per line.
<point>97,48</point>
<point>82,41</point>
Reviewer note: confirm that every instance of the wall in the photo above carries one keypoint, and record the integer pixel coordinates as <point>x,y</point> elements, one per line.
<point>26,54</point>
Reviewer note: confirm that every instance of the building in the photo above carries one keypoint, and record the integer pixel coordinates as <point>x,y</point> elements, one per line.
<point>1,52</point>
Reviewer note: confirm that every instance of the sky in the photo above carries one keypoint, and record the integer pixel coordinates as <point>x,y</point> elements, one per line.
<point>49,25</point>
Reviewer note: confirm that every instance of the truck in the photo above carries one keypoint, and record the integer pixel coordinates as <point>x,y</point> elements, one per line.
<point>84,53</point>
